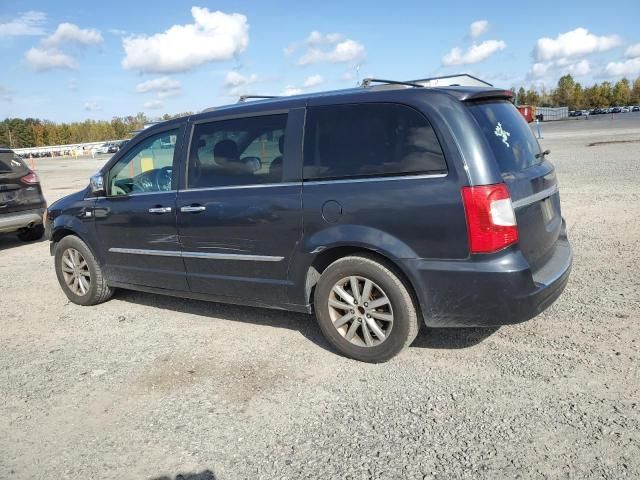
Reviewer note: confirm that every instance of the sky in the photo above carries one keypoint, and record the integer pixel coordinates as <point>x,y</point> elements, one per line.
<point>69,60</point>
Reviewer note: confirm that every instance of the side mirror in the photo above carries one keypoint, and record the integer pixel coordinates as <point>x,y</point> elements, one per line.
<point>97,184</point>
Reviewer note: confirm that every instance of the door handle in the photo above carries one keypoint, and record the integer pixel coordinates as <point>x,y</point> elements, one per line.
<point>193,208</point>
<point>160,210</point>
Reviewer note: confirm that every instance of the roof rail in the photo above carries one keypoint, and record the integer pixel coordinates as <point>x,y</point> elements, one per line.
<point>368,81</point>
<point>244,98</point>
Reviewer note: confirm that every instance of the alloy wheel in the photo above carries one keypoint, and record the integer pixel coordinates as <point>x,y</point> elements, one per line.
<point>75,271</point>
<point>361,311</point>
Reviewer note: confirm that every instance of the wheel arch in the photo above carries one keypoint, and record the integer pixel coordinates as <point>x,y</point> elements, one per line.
<point>329,255</point>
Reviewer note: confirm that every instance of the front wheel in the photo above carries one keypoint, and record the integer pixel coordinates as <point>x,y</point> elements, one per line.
<point>365,310</point>
<point>79,274</point>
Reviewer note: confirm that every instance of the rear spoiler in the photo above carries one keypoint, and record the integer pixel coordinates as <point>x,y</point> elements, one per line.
<point>488,94</point>
<point>473,94</point>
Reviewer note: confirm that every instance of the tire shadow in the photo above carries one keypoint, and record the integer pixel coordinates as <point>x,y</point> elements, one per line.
<point>452,338</point>
<point>204,475</point>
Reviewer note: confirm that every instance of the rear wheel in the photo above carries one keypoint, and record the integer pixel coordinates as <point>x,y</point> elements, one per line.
<point>79,274</point>
<point>364,309</point>
<point>31,234</point>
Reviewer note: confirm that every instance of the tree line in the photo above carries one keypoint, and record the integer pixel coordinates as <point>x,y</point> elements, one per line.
<point>569,93</point>
<point>33,132</point>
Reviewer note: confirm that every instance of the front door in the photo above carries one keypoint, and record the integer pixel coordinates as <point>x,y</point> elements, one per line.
<point>136,220</point>
<point>239,217</point>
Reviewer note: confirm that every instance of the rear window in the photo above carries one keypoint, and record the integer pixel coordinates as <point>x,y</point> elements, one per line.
<point>362,140</point>
<point>9,163</point>
<point>508,134</point>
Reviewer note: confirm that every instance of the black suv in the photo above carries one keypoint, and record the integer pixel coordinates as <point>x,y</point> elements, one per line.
<point>377,208</point>
<point>21,202</point>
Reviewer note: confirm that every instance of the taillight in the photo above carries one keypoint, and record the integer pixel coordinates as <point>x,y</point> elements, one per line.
<point>491,221</point>
<point>30,178</point>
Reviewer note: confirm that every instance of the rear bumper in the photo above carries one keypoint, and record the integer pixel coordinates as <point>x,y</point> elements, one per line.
<point>11,222</point>
<point>491,290</point>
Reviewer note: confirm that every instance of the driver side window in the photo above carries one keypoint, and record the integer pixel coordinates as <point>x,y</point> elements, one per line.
<point>146,168</point>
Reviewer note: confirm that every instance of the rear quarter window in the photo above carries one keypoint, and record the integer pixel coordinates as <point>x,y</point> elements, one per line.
<point>11,164</point>
<point>508,134</point>
<point>372,139</point>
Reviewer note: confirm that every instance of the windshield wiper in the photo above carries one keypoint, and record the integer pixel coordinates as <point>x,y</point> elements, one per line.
<point>543,154</point>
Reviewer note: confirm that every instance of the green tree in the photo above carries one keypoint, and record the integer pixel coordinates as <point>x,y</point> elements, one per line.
<point>621,93</point>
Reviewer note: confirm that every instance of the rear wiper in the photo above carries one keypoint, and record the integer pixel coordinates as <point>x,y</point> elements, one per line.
<point>543,154</point>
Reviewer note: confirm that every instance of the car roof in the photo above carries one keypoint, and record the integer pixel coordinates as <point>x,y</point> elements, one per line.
<point>349,95</point>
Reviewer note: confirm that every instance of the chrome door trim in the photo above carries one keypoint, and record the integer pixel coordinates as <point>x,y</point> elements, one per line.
<point>205,255</point>
<point>238,187</point>
<point>376,179</point>
<point>523,202</point>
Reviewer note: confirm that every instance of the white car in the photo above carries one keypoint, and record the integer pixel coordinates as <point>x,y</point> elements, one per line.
<point>625,110</point>
<point>104,148</point>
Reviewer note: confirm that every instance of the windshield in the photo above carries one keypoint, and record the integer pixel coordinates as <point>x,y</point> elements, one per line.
<point>508,134</point>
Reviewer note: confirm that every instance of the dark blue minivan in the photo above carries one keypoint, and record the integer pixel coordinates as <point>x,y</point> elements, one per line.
<point>377,208</point>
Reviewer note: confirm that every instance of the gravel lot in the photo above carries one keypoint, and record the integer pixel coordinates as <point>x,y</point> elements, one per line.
<point>152,387</point>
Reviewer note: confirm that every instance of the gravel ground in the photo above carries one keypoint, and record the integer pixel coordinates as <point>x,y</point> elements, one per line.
<point>153,387</point>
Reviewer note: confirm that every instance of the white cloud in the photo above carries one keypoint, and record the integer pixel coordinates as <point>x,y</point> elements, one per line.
<point>291,90</point>
<point>237,84</point>
<point>41,59</point>
<point>633,51</point>
<point>48,55</point>
<point>580,68</point>
<point>576,43</point>
<point>163,86</point>
<point>327,48</point>
<point>313,81</point>
<point>212,37</point>
<point>71,33</point>
<point>343,52</point>
<point>475,54</point>
<point>27,23</point>
<point>628,67</point>
<point>562,66</point>
<point>316,38</point>
<point>92,107</point>
<point>478,27</point>
<point>153,105</point>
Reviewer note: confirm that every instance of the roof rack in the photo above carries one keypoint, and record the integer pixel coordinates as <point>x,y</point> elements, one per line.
<point>244,98</point>
<point>368,81</point>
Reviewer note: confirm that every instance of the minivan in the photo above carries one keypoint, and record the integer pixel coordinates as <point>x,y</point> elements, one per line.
<point>377,208</point>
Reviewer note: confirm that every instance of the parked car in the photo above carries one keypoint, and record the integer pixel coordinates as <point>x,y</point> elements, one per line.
<point>635,108</point>
<point>625,110</point>
<point>21,201</point>
<point>113,147</point>
<point>377,208</point>
<point>616,110</point>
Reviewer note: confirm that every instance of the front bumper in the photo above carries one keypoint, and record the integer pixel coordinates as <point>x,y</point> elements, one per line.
<point>491,290</point>
<point>12,222</point>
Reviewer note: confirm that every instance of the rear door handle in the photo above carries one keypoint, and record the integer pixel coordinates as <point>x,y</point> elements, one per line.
<point>160,210</point>
<point>193,208</point>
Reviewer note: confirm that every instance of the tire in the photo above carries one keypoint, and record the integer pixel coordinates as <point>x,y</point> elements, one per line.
<point>94,289</point>
<point>400,326</point>
<point>31,234</point>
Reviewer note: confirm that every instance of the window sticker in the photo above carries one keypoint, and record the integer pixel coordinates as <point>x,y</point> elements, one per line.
<point>501,132</point>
